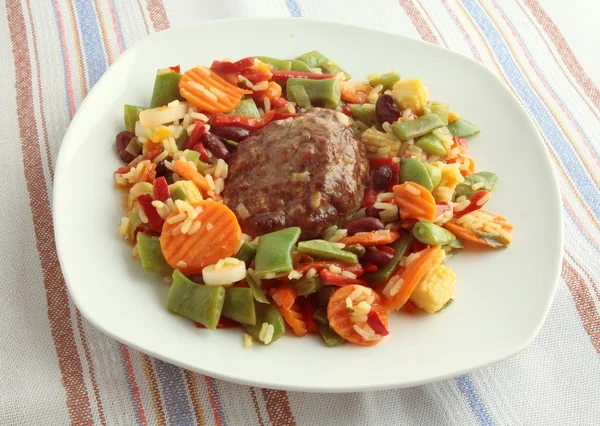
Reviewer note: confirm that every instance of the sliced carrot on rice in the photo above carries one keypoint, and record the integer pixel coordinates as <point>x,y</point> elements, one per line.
<point>294,319</point>
<point>284,296</point>
<point>206,90</point>
<point>411,274</point>
<point>355,93</point>
<point>414,202</point>
<point>190,172</point>
<point>466,234</point>
<point>374,238</point>
<point>340,320</point>
<point>219,236</point>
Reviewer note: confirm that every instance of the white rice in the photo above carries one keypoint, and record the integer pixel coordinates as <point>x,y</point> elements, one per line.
<point>312,272</point>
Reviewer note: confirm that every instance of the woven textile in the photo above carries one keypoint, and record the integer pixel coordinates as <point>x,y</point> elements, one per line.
<point>57,369</point>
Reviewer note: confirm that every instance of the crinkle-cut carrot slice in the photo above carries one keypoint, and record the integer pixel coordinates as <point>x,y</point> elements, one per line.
<point>414,201</point>
<point>294,319</point>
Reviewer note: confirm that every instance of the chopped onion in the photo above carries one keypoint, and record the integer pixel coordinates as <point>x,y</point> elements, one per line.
<point>150,118</point>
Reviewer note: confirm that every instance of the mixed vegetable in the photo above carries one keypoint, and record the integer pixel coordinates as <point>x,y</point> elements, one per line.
<point>425,200</point>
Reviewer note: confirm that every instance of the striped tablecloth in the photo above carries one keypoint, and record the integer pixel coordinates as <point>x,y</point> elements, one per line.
<point>55,368</point>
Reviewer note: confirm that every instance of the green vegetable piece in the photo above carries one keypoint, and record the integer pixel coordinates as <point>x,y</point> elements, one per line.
<point>414,128</point>
<point>166,89</point>
<point>307,286</point>
<point>448,303</point>
<point>441,110</point>
<point>431,144</point>
<point>239,305</point>
<point>314,59</point>
<point>324,294</point>
<point>131,115</point>
<point>278,64</point>
<point>299,66</point>
<point>185,190</point>
<point>193,156</point>
<point>434,173</point>
<point>325,250</point>
<point>488,179</point>
<point>365,113</point>
<point>270,315</point>
<point>200,303</point>
<point>493,240</point>
<point>181,141</point>
<point>330,337</point>
<point>151,255</point>
<point>254,283</point>
<point>246,107</point>
<point>463,128</point>
<point>331,67</point>
<point>431,234</point>
<point>413,170</point>
<point>298,94</point>
<point>387,80</point>
<point>324,92</point>
<point>231,145</point>
<point>134,147</point>
<point>385,272</point>
<point>274,253</point>
<point>246,253</point>
<point>320,316</point>
<point>456,244</point>
<point>357,249</point>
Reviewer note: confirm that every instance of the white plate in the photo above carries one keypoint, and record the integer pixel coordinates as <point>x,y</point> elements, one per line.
<point>502,297</point>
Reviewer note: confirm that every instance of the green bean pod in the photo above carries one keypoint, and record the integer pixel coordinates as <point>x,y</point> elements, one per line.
<point>431,234</point>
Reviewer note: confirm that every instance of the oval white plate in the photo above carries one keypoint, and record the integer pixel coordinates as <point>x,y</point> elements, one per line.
<point>502,297</point>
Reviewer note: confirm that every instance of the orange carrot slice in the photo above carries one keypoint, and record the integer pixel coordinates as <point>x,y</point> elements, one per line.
<point>353,93</point>
<point>294,319</point>
<point>414,202</point>
<point>374,238</point>
<point>340,320</point>
<point>208,91</point>
<point>190,172</point>
<point>218,236</point>
<point>412,274</point>
<point>284,296</point>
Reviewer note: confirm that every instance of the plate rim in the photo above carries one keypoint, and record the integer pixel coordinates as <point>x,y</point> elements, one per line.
<point>328,388</point>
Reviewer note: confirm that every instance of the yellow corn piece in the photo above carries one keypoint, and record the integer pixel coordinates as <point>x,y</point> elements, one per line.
<point>435,289</point>
<point>453,116</point>
<point>380,144</point>
<point>411,94</point>
<point>451,177</point>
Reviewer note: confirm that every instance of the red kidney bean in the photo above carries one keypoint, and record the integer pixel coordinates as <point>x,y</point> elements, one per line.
<point>382,177</point>
<point>386,109</point>
<point>376,257</point>
<point>364,224</point>
<point>123,138</point>
<point>231,132</point>
<point>372,212</point>
<point>214,145</point>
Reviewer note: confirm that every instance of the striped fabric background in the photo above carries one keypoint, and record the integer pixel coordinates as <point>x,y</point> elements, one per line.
<point>56,369</point>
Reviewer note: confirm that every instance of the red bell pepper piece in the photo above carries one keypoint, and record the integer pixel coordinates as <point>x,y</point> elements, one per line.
<point>124,169</point>
<point>338,279</point>
<point>161,189</point>
<point>369,267</point>
<point>376,324</point>
<point>221,67</point>
<point>461,142</point>
<point>319,265</point>
<point>223,323</point>
<point>283,115</point>
<point>307,308</point>
<point>410,307</point>
<point>395,175</point>
<point>375,163</point>
<point>250,123</point>
<point>199,147</point>
<point>346,110</point>
<point>279,102</point>
<point>418,246</point>
<point>370,197</point>
<point>175,68</point>
<point>441,208</point>
<point>255,76</point>
<point>386,249</point>
<point>279,75</point>
<point>154,219</point>
<point>475,203</point>
<point>196,135</point>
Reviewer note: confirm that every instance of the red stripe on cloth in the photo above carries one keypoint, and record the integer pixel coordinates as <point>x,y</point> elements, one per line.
<point>213,401</point>
<point>159,411</point>
<point>417,19</point>
<point>256,407</point>
<point>158,15</point>
<point>144,20</point>
<point>278,407</point>
<point>584,303</point>
<point>77,398</point>
<point>192,385</point>
<point>63,42</point>
<point>567,55</point>
<point>134,386</point>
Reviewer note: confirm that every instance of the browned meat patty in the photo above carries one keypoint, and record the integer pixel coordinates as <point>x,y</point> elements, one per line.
<point>308,171</point>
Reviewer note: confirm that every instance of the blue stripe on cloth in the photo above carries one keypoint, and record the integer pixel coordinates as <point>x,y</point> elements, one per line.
<point>218,401</point>
<point>467,388</point>
<point>536,107</point>
<point>175,395</point>
<point>93,48</point>
<point>294,8</point>
<point>545,80</point>
<point>64,56</point>
<point>130,387</point>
